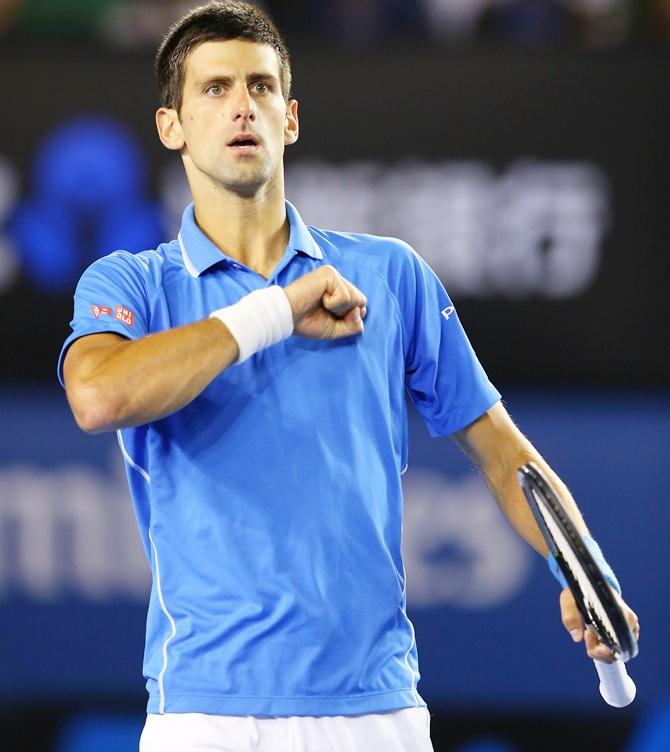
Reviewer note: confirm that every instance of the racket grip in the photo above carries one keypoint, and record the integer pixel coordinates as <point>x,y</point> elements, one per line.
<point>616,687</point>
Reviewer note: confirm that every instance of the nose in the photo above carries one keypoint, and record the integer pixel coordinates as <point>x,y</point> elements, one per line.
<point>243,105</point>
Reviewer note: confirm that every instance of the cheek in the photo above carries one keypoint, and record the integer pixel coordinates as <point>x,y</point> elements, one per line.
<point>198,130</point>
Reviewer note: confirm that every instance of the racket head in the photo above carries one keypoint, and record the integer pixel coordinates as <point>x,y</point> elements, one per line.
<point>596,599</point>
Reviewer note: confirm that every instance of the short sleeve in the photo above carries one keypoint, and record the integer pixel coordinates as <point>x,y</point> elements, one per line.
<point>111,296</point>
<point>443,376</point>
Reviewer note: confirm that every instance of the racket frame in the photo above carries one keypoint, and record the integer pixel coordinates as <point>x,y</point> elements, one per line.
<point>537,490</point>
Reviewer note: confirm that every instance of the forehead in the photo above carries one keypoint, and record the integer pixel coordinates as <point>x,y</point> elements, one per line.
<point>230,57</point>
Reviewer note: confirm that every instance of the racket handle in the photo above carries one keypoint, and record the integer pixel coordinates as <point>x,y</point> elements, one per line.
<point>616,687</point>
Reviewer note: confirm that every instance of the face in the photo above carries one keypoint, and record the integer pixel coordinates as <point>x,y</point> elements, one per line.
<point>234,121</point>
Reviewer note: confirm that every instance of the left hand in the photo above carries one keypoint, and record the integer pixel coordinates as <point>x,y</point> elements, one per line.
<point>573,622</point>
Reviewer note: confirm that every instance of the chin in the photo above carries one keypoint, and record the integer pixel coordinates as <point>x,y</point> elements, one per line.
<point>248,184</point>
<point>244,190</point>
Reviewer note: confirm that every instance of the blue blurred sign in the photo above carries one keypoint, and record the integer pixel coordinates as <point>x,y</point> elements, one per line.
<point>74,580</point>
<point>88,197</point>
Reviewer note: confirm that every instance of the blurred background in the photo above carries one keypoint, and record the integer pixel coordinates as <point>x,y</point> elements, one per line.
<point>522,148</point>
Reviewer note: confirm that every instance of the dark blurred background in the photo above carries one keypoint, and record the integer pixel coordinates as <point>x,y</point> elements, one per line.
<point>522,148</point>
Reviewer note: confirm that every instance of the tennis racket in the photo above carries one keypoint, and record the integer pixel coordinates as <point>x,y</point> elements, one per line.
<point>595,597</point>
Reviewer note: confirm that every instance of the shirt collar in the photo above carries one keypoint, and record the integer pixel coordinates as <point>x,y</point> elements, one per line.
<point>199,253</point>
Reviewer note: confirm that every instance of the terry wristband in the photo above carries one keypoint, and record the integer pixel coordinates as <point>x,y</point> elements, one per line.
<point>597,554</point>
<point>258,320</point>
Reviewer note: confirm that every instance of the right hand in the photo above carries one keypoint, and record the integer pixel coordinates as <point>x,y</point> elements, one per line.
<point>573,622</point>
<point>325,305</point>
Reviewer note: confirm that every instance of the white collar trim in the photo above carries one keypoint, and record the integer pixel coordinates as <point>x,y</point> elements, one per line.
<point>187,261</point>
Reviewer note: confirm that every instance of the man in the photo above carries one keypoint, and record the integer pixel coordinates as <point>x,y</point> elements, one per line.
<point>263,425</point>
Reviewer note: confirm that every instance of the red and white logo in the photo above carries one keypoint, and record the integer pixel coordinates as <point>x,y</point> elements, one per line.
<point>99,310</point>
<point>125,315</point>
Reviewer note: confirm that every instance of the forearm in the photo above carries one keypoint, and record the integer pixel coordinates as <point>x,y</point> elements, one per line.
<point>131,383</point>
<point>112,383</point>
<point>511,500</point>
<point>497,446</point>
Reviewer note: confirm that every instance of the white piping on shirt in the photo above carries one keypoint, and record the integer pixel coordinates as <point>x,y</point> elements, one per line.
<point>409,668</point>
<point>159,590</point>
<point>130,460</point>
<point>168,640</point>
<point>412,673</point>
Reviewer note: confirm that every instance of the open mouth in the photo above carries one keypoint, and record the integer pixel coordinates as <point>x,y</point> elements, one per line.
<point>243,143</point>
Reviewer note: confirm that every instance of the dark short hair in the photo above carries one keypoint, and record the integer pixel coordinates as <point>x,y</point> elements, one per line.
<point>227,19</point>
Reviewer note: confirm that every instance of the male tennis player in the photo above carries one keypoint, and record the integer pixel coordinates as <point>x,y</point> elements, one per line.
<point>263,426</point>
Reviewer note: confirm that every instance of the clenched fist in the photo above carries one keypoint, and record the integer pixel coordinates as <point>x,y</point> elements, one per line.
<point>325,305</point>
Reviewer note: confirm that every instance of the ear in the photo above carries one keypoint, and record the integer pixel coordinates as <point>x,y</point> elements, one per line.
<point>169,128</point>
<point>291,127</point>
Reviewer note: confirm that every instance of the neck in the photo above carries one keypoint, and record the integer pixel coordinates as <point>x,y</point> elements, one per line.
<point>254,230</point>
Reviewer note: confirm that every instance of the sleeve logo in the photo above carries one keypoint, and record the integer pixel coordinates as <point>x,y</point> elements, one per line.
<point>446,312</point>
<point>121,313</point>
<point>100,310</point>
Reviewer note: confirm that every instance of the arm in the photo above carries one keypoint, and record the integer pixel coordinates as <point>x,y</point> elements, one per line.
<point>498,448</point>
<point>112,382</point>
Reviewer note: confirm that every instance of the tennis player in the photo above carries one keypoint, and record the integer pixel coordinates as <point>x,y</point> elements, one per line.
<point>255,370</point>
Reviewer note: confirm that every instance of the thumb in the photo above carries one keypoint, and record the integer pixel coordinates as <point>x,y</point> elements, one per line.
<point>570,616</point>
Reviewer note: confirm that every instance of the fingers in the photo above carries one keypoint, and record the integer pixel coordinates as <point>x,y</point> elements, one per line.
<point>573,622</point>
<point>325,305</point>
<point>326,288</point>
<point>595,649</point>
<point>631,617</point>
<point>570,616</point>
<point>340,296</point>
<point>599,652</point>
<point>350,323</point>
<point>350,304</point>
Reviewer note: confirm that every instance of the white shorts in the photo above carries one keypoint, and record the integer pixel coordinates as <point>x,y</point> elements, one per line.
<point>406,730</point>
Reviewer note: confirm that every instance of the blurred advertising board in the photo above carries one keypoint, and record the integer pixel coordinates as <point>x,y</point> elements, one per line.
<point>534,184</point>
<point>74,580</point>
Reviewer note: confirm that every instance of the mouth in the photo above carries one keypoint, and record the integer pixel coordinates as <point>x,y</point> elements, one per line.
<point>244,143</point>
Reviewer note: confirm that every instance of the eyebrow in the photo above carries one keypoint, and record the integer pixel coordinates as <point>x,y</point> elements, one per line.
<point>223,79</point>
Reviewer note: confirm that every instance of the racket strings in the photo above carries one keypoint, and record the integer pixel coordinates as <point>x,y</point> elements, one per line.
<point>596,612</point>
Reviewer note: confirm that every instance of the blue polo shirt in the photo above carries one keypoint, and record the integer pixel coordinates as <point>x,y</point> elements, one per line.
<point>270,507</point>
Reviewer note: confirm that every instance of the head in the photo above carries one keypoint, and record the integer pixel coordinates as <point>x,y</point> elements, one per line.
<point>215,21</point>
<point>223,71</point>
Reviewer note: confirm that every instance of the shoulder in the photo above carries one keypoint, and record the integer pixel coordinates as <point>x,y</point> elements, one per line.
<point>384,254</point>
<point>143,262</point>
<point>145,268</point>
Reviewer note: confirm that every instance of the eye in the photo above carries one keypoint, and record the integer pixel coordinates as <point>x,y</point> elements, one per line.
<point>214,90</point>
<point>261,87</point>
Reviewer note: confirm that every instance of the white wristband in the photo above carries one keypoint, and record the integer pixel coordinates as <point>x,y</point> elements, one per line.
<point>258,320</point>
